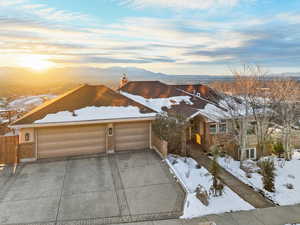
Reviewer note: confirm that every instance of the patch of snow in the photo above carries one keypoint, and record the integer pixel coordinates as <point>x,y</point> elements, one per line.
<point>190,176</point>
<point>95,113</point>
<point>28,102</point>
<point>157,104</point>
<point>288,174</point>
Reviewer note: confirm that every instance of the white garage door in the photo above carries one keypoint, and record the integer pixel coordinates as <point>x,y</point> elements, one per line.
<point>131,136</point>
<point>70,140</point>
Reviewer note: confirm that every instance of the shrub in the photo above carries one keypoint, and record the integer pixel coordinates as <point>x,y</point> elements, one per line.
<point>174,162</point>
<point>268,174</point>
<point>278,149</point>
<point>202,195</point>
<point>289,186</point>
<point>217,187</point>
<point>198,166</point>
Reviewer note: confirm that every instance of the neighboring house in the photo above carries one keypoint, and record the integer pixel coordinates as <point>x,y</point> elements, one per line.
<point>86,120</point>
<point>6,116</point>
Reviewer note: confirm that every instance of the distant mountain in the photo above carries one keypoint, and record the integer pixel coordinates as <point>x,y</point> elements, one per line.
<point>19,81</point>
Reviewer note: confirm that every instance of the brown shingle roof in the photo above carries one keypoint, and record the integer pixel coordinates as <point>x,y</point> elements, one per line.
<point>151,89</point>
<point>83,96</point>
<point>157,89</point>
<point>205,91</point>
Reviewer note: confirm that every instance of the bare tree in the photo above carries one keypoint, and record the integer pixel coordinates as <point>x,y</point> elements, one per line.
<point>248,100</point>
<point>255,97</point>
<point>284,98</point>
<point>236,101</point>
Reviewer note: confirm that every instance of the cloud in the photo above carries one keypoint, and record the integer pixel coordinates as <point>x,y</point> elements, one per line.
<point>290,17</point>
<point>24,8</point>
<point>112,60</point>
<point>181,4</point>
<point>149,42</point>
<point>272,47</point>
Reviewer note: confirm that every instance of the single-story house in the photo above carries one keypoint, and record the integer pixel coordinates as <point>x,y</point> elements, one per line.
<point>86,120</point>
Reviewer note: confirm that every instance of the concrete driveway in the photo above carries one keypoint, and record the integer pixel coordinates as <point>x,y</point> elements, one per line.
<point>122,187</point>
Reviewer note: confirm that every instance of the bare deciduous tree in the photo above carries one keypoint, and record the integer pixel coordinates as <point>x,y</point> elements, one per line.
<point>255,96</point>
<point>284,98</point>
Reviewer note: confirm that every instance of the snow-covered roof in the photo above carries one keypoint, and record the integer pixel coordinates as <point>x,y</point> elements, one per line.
<point>212,113</point>
<point>88,102</point>
<point>95,113</point>
<point>158,104</point>
<point>188,100</point>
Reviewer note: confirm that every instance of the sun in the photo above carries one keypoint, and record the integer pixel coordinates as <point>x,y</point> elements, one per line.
<point>35,62</point>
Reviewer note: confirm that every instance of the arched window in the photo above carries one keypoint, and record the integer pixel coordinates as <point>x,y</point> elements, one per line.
<point>27,136</point>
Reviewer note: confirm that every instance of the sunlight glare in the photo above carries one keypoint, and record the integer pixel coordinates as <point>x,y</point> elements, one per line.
<point>35,62</point>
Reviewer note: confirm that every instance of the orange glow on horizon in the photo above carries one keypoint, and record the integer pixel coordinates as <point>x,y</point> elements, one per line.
<point>35,62</point>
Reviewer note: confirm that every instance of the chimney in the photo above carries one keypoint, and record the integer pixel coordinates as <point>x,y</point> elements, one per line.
<point>123,81</point>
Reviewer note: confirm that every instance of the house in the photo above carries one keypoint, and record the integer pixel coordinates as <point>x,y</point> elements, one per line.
<point>86,120</point>
<point>200,104</point>
<point>96,119</point>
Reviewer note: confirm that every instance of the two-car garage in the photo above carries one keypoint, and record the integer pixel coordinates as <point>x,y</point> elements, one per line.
<point>60,141</point>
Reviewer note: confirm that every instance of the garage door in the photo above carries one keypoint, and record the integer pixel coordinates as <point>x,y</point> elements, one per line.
<point>70,140</point>
<point>131,136</point>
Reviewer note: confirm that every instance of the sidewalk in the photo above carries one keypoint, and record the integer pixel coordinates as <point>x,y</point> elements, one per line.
<point>243,190</point>
<point>280,215</point>
<point>269,216</point>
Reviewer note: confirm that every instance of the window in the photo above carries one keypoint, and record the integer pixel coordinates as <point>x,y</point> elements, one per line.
<point>213,128</point>
<point>251,153</point>
<point>27,137</point>
<point>222,128</point>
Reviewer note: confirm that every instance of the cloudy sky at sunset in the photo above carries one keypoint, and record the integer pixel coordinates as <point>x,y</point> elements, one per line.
<point>170,36</point>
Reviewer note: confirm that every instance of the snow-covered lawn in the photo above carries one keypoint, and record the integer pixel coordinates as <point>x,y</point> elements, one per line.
<point>288,174</point>
<point>190,177</point>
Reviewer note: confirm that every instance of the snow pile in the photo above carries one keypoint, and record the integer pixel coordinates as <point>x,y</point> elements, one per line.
<point>157,104</point>
<point>288,174</point>
<point>95,113</point>
<point>190,176</point>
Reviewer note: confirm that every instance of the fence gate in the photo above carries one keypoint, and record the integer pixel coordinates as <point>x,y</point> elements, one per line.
<point>9,149</point>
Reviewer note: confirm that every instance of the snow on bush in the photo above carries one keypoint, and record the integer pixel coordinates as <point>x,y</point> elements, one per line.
<point>191,176</point>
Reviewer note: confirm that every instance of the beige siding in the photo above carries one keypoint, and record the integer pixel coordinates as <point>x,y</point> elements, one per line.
<point>70,140</point>
<point>131,136</point>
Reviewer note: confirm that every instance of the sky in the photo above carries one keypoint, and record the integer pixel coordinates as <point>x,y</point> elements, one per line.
<point>171,36</point>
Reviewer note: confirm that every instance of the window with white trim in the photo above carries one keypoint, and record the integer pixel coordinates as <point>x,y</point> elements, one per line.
<point>250,153</point>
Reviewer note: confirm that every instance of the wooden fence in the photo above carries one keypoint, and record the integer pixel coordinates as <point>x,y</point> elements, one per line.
<point>9,149</point>
<point>160,146</point>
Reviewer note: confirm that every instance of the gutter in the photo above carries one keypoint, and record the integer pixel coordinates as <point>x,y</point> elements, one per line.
<point>33,125</point>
